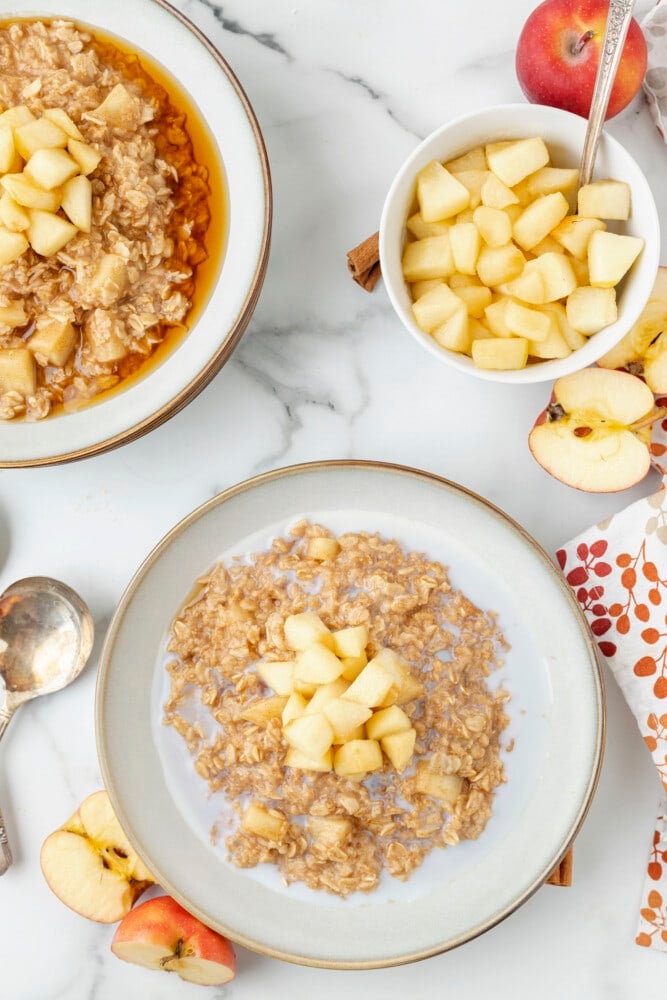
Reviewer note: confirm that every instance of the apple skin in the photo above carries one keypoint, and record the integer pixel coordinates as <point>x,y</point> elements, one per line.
<point>558,53</point>
<point>161,934</point>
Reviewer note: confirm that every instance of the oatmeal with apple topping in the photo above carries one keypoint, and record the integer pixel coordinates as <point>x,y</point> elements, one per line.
<point>336,773</point>
<point>104,211</point>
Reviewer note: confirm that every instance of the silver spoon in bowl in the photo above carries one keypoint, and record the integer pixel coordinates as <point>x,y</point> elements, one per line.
<point>615,32</point>
<point>46,637</point>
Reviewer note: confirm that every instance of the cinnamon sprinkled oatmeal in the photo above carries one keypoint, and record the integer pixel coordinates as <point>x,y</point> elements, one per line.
<point>150,209</point>
<point>406,601</point>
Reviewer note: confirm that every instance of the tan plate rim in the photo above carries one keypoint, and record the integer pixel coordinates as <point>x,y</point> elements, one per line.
<point>296,470</point>
<point>222,355</point>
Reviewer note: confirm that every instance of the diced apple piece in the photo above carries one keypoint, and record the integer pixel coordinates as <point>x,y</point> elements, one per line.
<point>110,279</point>
<point>501,355</point>
<point>295,706</point>
<point>77,203</point>
<point>16,116</point>
<point>54,341</point>
<point>493,225</point>
<point>419,288</point>
<point>63,121</point>
<point>399,748</point>
<point>17,371</point>
<point>552,346</point>
<point>262,711</point>
<point>439,193</point>
<point>495,194</point>
<point>573,338</point>
<point>497,265</point>
<point>12,246</point>
<point>13,315</point>
<point>444,787</point>
<point>464,216</point>
<point>370,687</point>
<point>513,161</point>
<point>302,631</point>
<point>7,151</point>
<point>580,268</point>
<point>525,322</point>
<point>513,212</point>
<point>350,641</point>
<point>405,687</point>
<point>655,365</point>
<point>494,316</point>
<point>457,280</point>
<point>549,180</point>
<point>302,687</point>
<point>539,218</point>
<point>435,307</point>
<point>277,675</point>
<point>86,156</point>
<point>574,233</point>
<point>120,109</point>
<point>465,242</point>
<point>453,334</point>
<point>474,159</point>
<point>330,830</point>
<point>604,200</point>
<point>262,822</point>
<point>326,693</point>
<point>421,229</point>
<point>387,721</point>
<point>547,245</point>
<point>322,549</point>
<point>294,758</point>
<point>474,181</point>
<point>39,134</point>
<point>48,233</point>
<point>528,287</point>
<point>591,309</point>
<point>358,756</point>
<point>311,734</point>
<point>50,168</point>
<point>317,665</point>
<point>475,298</point>
<point>557,279</point>
<point>12,215</point>
<point>27,194</point>
<point>353,665</point>
<point>345,717</point>
<point>478,330</point>
<point>610,257</point>
<point>428,258</point>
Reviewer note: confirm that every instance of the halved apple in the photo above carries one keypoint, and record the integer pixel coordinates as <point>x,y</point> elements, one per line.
<point>594,435</point>
<point>631,350</point>
<point>90,864</point>
<point>160,934</point>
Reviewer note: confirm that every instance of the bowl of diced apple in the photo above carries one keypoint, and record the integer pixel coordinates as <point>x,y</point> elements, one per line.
<point>495,259</point>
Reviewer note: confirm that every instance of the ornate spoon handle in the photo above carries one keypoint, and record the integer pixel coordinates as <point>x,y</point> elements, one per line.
<point>618,22</point>
<point>6,859</point>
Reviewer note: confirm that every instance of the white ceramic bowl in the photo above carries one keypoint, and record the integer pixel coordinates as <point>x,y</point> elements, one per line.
<point>156,28</point>
<point>563,133</point>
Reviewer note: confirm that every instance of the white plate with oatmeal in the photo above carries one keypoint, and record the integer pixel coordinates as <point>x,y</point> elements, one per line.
<point>437,802</point>
<point>134,227</point>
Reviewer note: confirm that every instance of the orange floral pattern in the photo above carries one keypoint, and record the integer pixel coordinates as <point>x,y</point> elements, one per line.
<point>618,571</point>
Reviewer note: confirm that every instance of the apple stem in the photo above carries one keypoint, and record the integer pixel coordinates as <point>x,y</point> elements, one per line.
<point>580,44</point>
<point>178,951</point>
<point>649,419</point>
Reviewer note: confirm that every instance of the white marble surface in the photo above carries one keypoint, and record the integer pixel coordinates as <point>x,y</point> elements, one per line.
<point>343,92</point>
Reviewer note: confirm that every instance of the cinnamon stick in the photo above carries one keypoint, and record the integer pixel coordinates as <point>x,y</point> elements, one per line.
<point>363,263</point>
<point>562,873</point>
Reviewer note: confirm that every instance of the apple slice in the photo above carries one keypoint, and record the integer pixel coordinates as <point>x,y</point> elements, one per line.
<point>655,365</point>
<point>160,934</point>
<point>652,321</point>
<point>590,436</point>
<point>90,864</point>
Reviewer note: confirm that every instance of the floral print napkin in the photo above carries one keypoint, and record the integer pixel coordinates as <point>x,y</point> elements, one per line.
<point>655,82</point>
<point>618,571</point>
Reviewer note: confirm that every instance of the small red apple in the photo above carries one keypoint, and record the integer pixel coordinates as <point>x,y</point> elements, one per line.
<point>559,50</point>
<point>160,934</point>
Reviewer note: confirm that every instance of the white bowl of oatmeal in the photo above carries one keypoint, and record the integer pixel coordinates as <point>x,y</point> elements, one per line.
<point>508,706</point>
<point>119,321</point>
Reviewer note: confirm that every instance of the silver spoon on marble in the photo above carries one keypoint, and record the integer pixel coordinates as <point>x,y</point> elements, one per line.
<point>46,636</point>
<point>616,30</point>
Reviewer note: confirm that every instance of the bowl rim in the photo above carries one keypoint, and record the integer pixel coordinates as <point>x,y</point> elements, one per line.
<point>293,471</point>
<point>545,370</point>
<point>226,348</point>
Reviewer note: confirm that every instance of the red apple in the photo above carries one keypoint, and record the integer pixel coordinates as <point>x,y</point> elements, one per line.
<point>559,50</point>
<point>160,934</point>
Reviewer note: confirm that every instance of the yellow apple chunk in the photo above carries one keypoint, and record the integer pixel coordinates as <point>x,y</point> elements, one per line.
<point>494,316</point>
<point>439,193</point>
<point>549,180</point>
<point>12,215</point>
<point>500,264</point>
<point>547,245</point>
<point>312,735</point>
<point>349,642</point>
<point>358,756</point>
<point>27,194</point>
<point>278,675</point>
<point>421,229</point>
<point>466,243</point>
<point>387,721</point>
<point>295,758</point>
<point>13,315</point>
<point>474,181</point>
<point>554,345</point>
<point>495,194</point>
<point>39,134</point>
<point>317,665</point>
<point>12,246</point>
<point>435,307</point>
<point>444,787</point>
<point>591,309</point>
<point>370,687</point>
<point>512,161</point>
<point>478,331</point>
<point>295,706</point>
<point>262,711</point>
<point>539,218</point>
<point>574,234</point>
<point>345,718</point>
<point>77,204</point>
<point>453,334</point>
<point>501,355</point>
<point>86,156</point>
<point>302,631</point>
<point>48,233</point>
<point>475,298</point>
<point>321,549</point>
<point>610,257</point>
<point>53,341</point>
<point>7,151</point>
<point>17,371</point>
<point>493,224</point>
<point>50,168</point>
<point>16,116</point>
<point>572,338</point>
<point>353,665</point>
<point>63,121</point>
<point>474,159</point>
<point>262,822</point>
<point>330,830</point>
<point>399,748</point>
<point>556,277</point>
<point>428,258</point>
<point>604,200</point>
<point>326,693</point>
<point>419,288</point>
<point>120,109</point>
<point>525,322</point>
